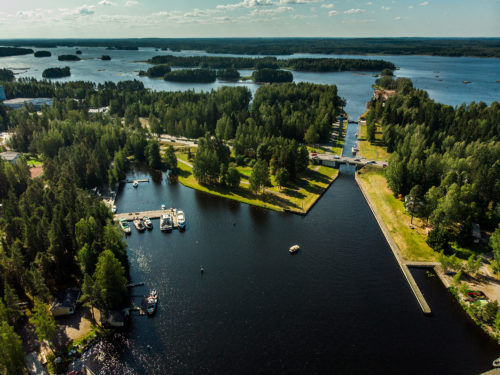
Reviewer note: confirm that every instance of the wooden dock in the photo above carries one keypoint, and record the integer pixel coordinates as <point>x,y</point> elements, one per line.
<point>156,214</point>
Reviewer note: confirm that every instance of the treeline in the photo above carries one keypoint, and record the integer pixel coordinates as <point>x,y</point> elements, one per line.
<point>445,160</point>
<point>485,47</point>
<point>229,74</point>
<point>14,51</point>
<point>6,75</point>
<point>68,58</point>
<point>302,64</point>
<point>191,75</point>
<point>272,76</point>
<point>43,54</point>
<point>56,72</point>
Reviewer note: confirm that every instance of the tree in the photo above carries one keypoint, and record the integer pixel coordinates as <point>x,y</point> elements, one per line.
<point>413,202</point>
<point>110,282</point>
<point>171,159</point>
<point>89,292</point>
<point>233,178</point>
<point>153,154</point>
<point>371,129</point>
<point>12,304</point>
<point>438,238</point>
<point>282,177</point>
<point>260,176</point>
<point>42,319</point>
<point>490,311</point>
<point>11,350</point>
<point>473,264</point>
<point>312,136</point>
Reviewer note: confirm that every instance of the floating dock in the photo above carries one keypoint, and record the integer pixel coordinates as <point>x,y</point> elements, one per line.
<point>156,214</point>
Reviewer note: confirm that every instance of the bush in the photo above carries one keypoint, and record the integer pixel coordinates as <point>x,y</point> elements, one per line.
<point>438,239</point>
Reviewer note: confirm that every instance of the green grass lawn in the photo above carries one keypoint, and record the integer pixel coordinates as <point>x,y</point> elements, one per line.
<point>411,242</point>
<point>34,160</point>
<point>298,197</point>
<point>372,151</point>
<point>339,144</point>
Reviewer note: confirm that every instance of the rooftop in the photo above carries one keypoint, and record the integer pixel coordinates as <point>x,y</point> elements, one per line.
<point>68,298</point>
<point>9,155</point>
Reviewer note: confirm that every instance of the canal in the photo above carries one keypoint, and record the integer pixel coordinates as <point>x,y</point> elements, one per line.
<point>340,305</point>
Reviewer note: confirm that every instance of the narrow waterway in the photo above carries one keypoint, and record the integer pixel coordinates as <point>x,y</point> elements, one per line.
<point>340,305</point>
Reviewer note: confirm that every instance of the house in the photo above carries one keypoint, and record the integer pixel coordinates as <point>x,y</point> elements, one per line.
<point>476,233</point>
<point>115,318</point>
<point>2,94</point>
<point>10,156</point>
<point>65,302</point>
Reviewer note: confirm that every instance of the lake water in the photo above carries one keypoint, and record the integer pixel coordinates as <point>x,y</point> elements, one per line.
<point>442,77</point>
<point>341,305</point>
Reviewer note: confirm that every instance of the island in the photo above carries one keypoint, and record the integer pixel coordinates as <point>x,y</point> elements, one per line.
<point>14,51</point>
<point>191,75</point>
<point>43,54</point>
<point>272,76</point>
<point>156,71</point>
<point>56,72</point>
<point>229,74</point>
<point>68,58</point>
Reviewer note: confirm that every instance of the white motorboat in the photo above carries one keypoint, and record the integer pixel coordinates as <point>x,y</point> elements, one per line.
<point>181,219</point>
<point>165,223</point>
<point>124,225</point>
<point>135,183</point>
<point>151,302</point>
<point>293,249</point>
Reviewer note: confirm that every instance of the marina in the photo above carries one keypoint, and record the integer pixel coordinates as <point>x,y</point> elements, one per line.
<point>152,215</point>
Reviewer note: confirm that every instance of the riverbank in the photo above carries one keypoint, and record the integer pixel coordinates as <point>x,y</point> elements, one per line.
<point>298,197</point>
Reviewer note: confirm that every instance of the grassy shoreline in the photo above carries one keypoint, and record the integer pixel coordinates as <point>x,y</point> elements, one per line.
<point>296,198</point>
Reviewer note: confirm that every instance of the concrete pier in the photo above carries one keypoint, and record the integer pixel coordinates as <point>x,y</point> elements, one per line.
<point>397,254</point>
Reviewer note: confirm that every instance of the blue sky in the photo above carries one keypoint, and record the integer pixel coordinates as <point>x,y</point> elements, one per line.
<point>247,18</point>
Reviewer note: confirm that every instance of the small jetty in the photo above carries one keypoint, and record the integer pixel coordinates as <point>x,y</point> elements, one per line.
<point>132,181</point>
<point>156,214</point>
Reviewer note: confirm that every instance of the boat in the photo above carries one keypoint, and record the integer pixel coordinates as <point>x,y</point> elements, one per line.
<point>147,222</point>
<point>124,225</point>
<point>139,225</point>
<point>293,249</point>
<point>165,222</point>
<point>496,362</point>
<point>135,183</point>
<point>113,209</point>
<point>202,269</point>
<point>163,207</point>
<point>151,302</point>
<point>181,219</point>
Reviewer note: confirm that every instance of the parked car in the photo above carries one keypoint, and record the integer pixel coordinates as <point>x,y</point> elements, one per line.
<point>336,157</point>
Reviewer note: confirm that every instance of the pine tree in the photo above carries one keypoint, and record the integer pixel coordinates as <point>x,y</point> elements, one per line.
<point>11,350</point>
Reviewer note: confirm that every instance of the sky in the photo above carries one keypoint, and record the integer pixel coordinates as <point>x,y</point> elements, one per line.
<point>247,18</point>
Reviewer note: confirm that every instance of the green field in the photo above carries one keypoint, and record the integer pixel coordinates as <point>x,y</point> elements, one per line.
<point>375,151</point>
<point>411,242</point>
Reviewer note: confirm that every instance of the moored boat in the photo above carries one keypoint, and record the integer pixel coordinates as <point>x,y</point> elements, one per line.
<point>147,222</point>
<point>496,362</point>
<point>163,207</point>
<point>135,183</point>
<point>139,225</point>
<point>293,249</point>
<point>124,225</point>
<point>181,219</point>
<point>151,302</point>
<point>165,222</point>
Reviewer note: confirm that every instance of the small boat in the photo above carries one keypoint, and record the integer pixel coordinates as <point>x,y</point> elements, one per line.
<point>113,209</point>
<point>139,225</point>
<point>135,183</point>
<point>496,362</point>
<point>124,225</point>
<point>181,219</point>
<point>163,207</point>
<point>165,222</point>
<point>202,269</point>
<point>151,302</point>
<point>294,249</point>
<point>147,222</point>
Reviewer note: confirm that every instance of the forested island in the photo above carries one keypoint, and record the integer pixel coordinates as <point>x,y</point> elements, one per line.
<point>482,47</point>
<point>229,74</point>
<point>302,64</point>
<point>68,58</point>
<point>14,51</point>
<point>156,71</point>
<point>56,72</point>
<point>191,75</point>
<point>43,54</point>
<point>272,75</point>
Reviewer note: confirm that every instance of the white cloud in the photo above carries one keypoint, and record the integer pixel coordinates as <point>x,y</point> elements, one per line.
<point>410,7</point>
<point>369,3</point>
<point>131,3</point>
<point>84,10</point>
<point>328,6</point>
<point>354,11</point>
<point>300,1</point>
<point>106,3</point>
<point>398,18</point>
<point>332,13</point>
<point>385,8</point>
<point>273,11</point>
<point>246,4</point>
<point>424,4</point>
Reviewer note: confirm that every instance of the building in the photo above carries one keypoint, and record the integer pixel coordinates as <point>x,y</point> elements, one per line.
<point>10,156</point>
<point>2,94</point>
<point>65,302</point>
<point>37,103</point>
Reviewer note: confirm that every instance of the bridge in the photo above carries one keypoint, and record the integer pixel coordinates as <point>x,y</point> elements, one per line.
<point>332,160</point>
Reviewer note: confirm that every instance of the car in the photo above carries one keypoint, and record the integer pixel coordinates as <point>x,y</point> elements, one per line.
<point>314,154</point>
<point>357,159</point>
<point>336,157</point>
<point>371,162</point>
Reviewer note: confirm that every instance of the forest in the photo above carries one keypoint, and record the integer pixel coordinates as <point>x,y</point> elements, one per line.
<point>43,54</point>
<point>14,51</point>
<point>56,72</point>
<point>68,58</point>
<point>272,75</point>
<point>6,75</point>
<point>191,75</point>
<point>303,64</point>
<point>445,159</point>
<point>156,71</point>
<point>482,47</point>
